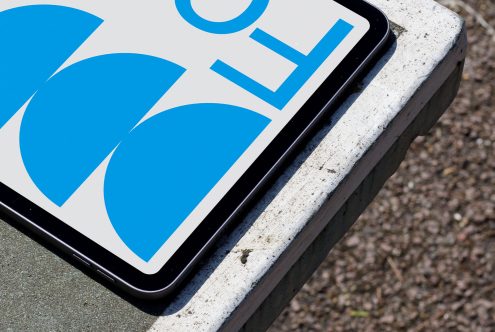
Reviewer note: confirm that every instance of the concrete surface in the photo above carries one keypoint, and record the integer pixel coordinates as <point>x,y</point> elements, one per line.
<point>421,257</point>
<point>257,268</point>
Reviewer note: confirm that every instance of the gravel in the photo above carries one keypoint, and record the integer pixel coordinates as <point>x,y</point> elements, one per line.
<point>422,256</point>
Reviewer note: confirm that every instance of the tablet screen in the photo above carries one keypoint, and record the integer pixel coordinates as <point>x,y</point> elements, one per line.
<point>130,120</point>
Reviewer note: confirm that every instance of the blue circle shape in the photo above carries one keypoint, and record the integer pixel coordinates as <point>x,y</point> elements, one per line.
<point>168,164</point>
<point>248,17</point>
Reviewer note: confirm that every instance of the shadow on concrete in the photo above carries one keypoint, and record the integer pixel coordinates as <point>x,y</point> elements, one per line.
<point>264,198</point>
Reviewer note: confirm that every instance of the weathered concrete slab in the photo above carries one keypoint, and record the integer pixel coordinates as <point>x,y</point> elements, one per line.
<point>430,46</point>
<point>262,263</point>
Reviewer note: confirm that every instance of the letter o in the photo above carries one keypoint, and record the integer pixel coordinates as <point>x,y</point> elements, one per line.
<point>248,17</point>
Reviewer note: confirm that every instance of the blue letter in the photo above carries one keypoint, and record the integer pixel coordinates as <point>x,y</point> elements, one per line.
<point>35,41</point>
<point>166,167</point>
<point>306,64</point>
<point>248,17</point>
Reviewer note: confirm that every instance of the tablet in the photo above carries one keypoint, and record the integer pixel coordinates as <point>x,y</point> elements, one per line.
<point>133,132</point>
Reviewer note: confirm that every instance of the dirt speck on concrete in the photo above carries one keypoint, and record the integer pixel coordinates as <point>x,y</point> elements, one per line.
<point>245,255</point>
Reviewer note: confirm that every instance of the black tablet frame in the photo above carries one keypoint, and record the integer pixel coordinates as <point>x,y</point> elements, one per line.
<point>174,271</point>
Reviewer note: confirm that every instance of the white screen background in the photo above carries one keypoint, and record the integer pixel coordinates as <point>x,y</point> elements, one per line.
<point>155,27</point>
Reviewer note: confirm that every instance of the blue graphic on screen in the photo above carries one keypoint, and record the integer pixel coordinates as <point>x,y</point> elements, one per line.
<point>35,41</point>
<point>75,121</point>
<point>248,17</point>
<point>306,64</point>
<point>163,170</point>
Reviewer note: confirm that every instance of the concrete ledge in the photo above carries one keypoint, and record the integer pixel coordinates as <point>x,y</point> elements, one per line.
<point>259,266</point>
<point>431,45</point>
<point>314,255</point>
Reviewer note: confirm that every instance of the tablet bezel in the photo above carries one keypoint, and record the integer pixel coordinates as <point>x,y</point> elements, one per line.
<point>166,280</point>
